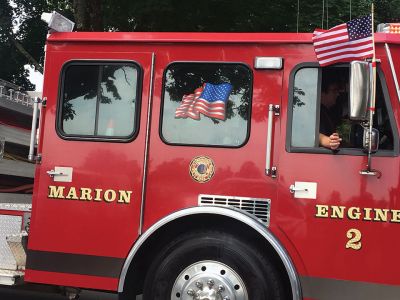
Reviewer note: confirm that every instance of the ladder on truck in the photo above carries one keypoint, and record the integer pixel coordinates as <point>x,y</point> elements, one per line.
<point>17,181</point>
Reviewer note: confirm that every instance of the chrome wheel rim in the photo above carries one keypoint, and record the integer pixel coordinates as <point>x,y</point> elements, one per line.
<point>209,280</point>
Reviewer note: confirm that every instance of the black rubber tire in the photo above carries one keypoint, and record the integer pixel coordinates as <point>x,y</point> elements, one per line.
<point>259,276</point>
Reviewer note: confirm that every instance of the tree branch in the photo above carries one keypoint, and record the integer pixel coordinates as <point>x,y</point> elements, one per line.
<point>25,53</point>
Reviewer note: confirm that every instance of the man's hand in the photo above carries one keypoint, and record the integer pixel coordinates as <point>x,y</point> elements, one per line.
<point>331,142</point>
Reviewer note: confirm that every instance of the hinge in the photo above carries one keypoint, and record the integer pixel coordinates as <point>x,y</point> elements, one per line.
<point>38,158</point>
<point>277,110</point>
<point>274,171</point>
<point>44,102</point>
<point>271,172</point>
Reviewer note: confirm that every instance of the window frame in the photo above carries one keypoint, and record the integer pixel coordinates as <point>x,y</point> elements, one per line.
<point>341,151</point>
<point>160,125</point>
<point>99,138</point>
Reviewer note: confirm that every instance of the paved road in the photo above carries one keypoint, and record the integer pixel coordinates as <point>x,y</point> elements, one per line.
<point>20,294</point>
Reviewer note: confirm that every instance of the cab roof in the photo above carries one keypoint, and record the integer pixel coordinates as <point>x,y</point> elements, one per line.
<point>198,37</point>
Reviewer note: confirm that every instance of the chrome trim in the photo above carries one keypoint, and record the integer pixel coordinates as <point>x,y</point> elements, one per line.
<point>396,82</point>
<point>234,214</point>
<point>269,140</point>
<point>146,149</point>
<point>16,206</point>
<point>273,110</point>
<point>36,102</point>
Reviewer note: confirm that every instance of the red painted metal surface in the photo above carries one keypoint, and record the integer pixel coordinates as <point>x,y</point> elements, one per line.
<point>317,246</point>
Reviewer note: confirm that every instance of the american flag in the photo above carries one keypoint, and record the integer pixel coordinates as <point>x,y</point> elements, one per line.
<point>345,42</point>
<point>210,100</point>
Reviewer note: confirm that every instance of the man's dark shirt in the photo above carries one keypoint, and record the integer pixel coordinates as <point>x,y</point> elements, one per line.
<point>329,120</point>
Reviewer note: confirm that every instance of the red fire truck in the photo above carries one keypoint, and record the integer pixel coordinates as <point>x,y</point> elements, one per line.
<point>141,187</point>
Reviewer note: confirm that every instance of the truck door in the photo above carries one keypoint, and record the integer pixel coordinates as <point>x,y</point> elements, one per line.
<point>197,156</point>
<point>88,188</point>
<point>342,223</point>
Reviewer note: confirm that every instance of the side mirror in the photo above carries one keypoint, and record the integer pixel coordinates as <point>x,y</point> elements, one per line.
<point>374,140</point>
<point>360,87</point>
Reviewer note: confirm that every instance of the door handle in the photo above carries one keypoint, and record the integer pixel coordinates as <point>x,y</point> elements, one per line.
<point>273,110</point>
<point>293,189</point>
<point>53,173</point>
<point>32,141</point>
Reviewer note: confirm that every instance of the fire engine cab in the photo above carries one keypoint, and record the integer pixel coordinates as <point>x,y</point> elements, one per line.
<point>188,166</point>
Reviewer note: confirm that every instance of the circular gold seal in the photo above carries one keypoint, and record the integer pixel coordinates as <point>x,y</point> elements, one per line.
<point>201,169</point>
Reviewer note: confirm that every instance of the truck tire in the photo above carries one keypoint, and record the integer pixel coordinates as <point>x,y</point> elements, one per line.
<point>211,265</point>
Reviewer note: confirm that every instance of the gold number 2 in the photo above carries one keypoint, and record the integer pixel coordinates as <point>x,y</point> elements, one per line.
<point>354,236</point>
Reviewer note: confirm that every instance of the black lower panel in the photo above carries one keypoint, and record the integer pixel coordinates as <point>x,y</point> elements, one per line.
<point>103,266</point>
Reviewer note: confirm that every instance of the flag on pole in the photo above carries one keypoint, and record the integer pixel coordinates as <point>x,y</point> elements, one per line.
<point>210,100</point>
<point>345,42</point>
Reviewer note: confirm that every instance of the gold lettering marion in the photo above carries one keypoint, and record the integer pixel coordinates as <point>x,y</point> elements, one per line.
<point>56,191</point>
<point>89,194</point>
<point>98,194</point>
<point>110,195</point>
<point>72,194</point>
<point>124,196</point>
<point>86,194</point>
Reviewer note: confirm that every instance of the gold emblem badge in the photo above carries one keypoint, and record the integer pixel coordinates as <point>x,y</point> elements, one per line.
<point>201,169</point>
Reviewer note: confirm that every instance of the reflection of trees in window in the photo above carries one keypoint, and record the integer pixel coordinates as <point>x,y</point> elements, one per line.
<point>182,79</point>
<point>296,97</point>
<point>108,81</point>
<point>83,81</point>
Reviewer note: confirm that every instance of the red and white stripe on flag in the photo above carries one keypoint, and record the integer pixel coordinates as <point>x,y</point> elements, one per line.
<point>187,108</point>
<point>343,43</point>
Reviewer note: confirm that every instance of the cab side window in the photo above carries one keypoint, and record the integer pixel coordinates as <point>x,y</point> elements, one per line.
<point>99,100</point>
<point>319,107</point>
<point>206,104</point>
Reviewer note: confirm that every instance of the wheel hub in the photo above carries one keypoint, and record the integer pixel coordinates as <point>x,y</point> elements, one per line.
<point>209,280</point>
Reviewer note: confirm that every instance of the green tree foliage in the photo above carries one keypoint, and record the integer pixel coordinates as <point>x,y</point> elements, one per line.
<point>22,37</point>
<point>11,63</point>
<point>24,44</point>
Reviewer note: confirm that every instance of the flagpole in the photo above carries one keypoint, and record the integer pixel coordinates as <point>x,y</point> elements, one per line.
<point>373,63</point>
<point>373,92</point>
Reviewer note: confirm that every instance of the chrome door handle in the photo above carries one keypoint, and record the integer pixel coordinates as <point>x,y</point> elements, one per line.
<point>293,189</point>
<point>33,140</point>
<point>273,110</point>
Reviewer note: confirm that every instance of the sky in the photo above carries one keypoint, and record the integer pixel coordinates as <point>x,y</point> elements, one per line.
<point>36,78</point>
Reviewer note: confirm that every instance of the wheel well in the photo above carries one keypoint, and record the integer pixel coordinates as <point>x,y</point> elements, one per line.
<point>140,264</point>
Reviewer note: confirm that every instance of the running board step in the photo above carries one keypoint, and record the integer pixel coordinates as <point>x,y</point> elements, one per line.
<point>9,277</point>
<point>17,244</point>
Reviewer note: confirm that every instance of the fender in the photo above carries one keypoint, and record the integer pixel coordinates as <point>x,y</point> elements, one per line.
<point>227,212</point>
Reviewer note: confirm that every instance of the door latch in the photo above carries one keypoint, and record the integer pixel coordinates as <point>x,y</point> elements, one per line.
<point>63,174</point>
<point>293,189</point>
<point>304,190</point>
